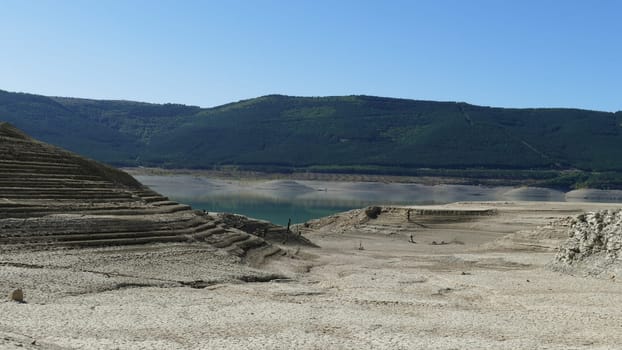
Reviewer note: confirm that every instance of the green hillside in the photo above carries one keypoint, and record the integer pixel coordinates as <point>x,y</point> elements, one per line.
<point>348,134</point>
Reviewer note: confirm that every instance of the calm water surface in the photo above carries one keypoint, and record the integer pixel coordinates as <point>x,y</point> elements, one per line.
<point>278,212</point>
<point>280,200</point>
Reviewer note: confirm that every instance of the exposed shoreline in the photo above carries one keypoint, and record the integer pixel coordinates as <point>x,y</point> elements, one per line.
<point>474,279</point>
<point>194,185</point>
<point>246,175</point>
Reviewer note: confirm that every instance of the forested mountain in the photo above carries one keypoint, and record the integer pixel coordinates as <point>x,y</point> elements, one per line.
<point>349,133</point>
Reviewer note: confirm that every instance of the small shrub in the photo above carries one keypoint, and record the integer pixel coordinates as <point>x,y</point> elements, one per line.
<point>373,212</point>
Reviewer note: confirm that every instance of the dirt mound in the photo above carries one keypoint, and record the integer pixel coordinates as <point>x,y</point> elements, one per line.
<point>337,223</point>
<point>594,246</point>
<point>265,229</point>
<point>394,219</point>
<point>50,197</point>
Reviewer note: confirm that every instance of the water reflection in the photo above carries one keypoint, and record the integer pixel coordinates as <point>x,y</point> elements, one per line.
<point>280,200</point>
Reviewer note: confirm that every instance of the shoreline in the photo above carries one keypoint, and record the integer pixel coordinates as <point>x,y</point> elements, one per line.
<point>558,180</point>
<point>248,175</point>
<point>195,185</point>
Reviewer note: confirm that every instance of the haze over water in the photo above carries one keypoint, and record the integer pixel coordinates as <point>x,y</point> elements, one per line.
<point>280,200</point>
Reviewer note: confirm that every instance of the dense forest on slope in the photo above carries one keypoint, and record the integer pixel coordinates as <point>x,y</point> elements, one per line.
<point>340,134</point>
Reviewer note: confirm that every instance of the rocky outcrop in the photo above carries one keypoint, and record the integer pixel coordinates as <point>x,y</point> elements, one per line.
<point>51,197</point>
<point>594,246</point>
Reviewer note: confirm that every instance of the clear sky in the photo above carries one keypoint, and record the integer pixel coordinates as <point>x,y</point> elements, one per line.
<point>510,53</point>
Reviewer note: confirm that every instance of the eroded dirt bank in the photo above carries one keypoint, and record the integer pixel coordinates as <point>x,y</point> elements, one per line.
<point>474,278</point>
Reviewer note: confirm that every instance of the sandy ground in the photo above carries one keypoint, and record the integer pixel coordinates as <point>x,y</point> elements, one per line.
<point>368,287</point>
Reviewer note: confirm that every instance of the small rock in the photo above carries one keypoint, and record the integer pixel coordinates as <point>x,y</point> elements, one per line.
<point>17,295</point>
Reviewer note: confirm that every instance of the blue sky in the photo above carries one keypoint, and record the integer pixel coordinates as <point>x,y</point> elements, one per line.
<point>522,53</point>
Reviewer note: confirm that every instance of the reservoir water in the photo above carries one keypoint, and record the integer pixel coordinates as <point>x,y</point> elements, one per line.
<point>278,212</point>
<point>280,200</point>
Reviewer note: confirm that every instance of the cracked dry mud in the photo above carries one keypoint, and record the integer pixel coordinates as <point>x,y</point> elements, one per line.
<point>492,291</point>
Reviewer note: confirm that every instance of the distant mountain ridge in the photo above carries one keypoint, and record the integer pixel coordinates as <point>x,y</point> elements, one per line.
<point>341,133</point>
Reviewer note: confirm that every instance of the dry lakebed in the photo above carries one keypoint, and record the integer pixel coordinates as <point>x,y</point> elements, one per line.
<point>467,275</point>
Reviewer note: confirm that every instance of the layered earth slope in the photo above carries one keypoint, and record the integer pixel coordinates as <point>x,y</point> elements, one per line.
<point>52,197</point>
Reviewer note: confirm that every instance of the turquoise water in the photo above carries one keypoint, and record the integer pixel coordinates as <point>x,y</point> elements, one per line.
<point>278,212</point>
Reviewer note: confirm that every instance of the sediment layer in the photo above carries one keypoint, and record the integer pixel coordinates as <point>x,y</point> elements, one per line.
<point>50,197</point>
